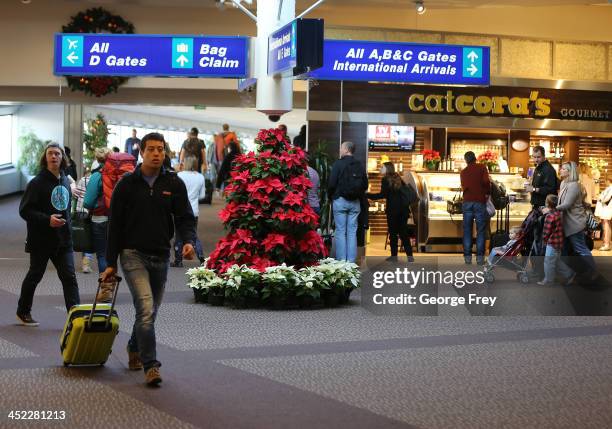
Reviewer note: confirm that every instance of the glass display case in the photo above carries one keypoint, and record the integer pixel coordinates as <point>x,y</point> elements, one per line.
<point>439,231</point>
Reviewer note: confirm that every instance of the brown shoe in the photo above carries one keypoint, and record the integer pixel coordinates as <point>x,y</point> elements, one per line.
<point>134,362</point>
<point>152,376</point>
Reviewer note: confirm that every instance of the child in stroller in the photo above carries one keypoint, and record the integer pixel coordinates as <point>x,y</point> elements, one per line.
<point>522,247</point>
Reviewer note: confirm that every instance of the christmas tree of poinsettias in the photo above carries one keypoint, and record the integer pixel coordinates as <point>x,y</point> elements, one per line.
<point>268,218</point>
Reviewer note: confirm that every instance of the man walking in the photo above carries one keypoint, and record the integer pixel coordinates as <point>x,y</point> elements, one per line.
<point>348,183</point>
<point>132,145</point>
<point>45,207</point>
<point>146,207</point>
<point>476,189</point>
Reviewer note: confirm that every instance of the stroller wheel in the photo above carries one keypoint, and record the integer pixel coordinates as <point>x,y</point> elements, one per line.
<point>489,277</point>
<point>523,277</point>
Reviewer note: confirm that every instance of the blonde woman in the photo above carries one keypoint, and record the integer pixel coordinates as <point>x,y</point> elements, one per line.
<point>571,203</point>
<point>603,211</point>
<point>586,179</point>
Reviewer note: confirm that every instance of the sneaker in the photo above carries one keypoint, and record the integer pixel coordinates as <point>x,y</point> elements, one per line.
<point>410,258</point>
<point>391,259</point>
<point>134,362</point>
<point>480,262</point>
<point>26,320</point>
<point>543,283</point>
<point>468,261</point>
<point>152,376</point>
<point>605,248</point>
<point>176,264</point>
<point>86,269</point>
<point>201,259</point>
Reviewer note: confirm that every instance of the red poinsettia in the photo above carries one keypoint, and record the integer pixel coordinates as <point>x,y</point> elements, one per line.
<point>300,183</point>
<point>312,242</point>
<point>294,199</point>
<point>266,185</point>
<point>274,240</point>
<point>240,176</point>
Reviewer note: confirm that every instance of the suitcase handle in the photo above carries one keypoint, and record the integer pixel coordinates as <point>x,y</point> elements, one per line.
<point>110,312</point>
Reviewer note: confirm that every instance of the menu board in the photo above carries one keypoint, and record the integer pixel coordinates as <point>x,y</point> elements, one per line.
<point>391,138</point>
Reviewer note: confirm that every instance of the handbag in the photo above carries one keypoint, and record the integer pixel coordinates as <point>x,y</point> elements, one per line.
<point>82,240</point>
<point>455,206</point>
<point>490,207</point>
<point>592,224</point>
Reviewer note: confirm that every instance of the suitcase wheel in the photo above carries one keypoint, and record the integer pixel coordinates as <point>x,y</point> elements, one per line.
<point>523,278</point>
<point>489,277</point>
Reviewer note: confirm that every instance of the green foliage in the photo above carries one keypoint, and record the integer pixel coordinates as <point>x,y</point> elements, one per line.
<point>94,137</point>
<point>322,162</point>
<point>32,149</point>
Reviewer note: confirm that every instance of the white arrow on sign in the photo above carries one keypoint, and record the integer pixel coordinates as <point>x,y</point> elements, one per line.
<point>472,56</point>
<point>472,69</point>
<point>72,57</point>
<point>182,60</point>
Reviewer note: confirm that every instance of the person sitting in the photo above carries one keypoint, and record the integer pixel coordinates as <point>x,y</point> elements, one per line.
<point>497,252</point>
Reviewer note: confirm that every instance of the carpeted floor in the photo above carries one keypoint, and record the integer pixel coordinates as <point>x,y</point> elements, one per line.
<point>225,368</point>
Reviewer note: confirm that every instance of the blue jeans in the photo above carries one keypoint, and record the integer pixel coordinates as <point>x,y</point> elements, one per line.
<point>63,260</point>
<point>98,233</point>
<point>478,211</point>
<point>578,243</point>
<point>553,265</point>
<point>345,216</point>
<point>145,276</point>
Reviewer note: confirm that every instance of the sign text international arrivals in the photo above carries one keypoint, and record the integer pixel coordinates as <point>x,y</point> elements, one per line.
<point>358,60</point>
<point>150,55</point>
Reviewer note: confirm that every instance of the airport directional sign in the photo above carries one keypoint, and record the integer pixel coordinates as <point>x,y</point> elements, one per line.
<point>150,55</point>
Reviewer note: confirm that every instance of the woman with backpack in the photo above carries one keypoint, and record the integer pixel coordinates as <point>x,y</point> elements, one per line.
<point>398,198</point>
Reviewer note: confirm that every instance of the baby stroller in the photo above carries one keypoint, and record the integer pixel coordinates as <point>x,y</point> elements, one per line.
<point>526,249</point>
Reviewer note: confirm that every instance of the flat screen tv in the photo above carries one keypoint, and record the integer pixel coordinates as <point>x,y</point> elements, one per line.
<point>390,138</point>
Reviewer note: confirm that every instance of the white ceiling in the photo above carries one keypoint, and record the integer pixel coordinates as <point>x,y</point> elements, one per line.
<point>237,117</point>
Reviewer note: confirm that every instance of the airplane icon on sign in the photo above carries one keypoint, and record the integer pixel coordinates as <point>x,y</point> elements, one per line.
<point>72,44</point>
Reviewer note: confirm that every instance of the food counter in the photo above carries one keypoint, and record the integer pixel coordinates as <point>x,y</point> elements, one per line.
<point>437,230</point>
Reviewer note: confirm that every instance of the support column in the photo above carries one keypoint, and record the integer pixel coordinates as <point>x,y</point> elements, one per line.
<point>73,134</point>
<point>274,95</point>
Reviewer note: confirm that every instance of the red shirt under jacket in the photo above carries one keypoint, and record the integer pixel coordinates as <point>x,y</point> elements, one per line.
<point>475,183</point>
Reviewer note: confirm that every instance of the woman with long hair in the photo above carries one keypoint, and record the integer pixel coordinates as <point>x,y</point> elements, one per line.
<point>603,211</point>
<point>397,213</point>
<point>571,203</point>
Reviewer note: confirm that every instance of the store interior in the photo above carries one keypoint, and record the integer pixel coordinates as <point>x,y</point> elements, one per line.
<point>433,230</point>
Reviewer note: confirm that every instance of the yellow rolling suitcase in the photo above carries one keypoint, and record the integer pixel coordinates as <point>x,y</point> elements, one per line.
<point>90,331</point>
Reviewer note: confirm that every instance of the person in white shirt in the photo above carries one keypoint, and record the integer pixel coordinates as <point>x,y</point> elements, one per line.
<point>194,182</point>
<point>603,211</point>
<point>586,179</point>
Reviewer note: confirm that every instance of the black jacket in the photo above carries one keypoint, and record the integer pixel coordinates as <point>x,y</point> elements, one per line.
<point>226,168</point>
<point>393,206</point>
<point>144,218</point>
<point>545,179</point>
<point>46,195</point>
<point>333,186</point>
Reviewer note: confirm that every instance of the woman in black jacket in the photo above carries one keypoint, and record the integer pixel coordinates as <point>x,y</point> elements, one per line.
<point>226,166</point>
<point>396,208</point>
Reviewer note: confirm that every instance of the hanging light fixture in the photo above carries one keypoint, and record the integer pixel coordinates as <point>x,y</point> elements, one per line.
<point>420,7</point>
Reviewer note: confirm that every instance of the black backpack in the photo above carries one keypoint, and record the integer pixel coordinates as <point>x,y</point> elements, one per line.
<point>352,181</point>
<point>498,195</point>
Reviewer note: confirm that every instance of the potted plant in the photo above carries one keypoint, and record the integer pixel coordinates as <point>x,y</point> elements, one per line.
<point>241,286</point>
<point>431,159</point>
<point>311,282</point>
<point>31,148</point>
<point>199,279</point>
<point>216,292</point>
<point>339,279</point>
<point>279,285</point>
<point>489,158</point>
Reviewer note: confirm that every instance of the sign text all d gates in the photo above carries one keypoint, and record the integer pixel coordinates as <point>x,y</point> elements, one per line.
<point>150,55</point>
<point>356,60</point>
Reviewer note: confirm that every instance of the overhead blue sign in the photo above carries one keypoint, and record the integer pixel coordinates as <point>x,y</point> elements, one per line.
<point>404,62</point>
<point>150,55</point>
<point>282,49</point>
